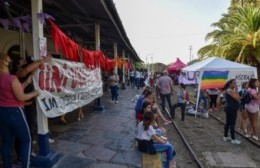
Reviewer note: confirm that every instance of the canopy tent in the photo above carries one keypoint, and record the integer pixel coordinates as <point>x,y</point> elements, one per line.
<point>214,71</point>
<point>176,66</point>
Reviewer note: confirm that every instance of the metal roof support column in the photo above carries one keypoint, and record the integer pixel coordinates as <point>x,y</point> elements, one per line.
<point>98,106</point>
<point>115,56</point>
<point>45,158</point>
<point>123,71</point>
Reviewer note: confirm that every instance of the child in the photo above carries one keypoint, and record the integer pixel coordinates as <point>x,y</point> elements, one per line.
<point>181,102</point>
<point>146,133</point>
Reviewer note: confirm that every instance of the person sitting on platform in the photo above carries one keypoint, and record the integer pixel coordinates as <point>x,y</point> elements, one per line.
<point>146,134</point>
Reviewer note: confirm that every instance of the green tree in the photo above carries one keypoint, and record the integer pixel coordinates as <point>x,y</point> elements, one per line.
<point>237,36</point>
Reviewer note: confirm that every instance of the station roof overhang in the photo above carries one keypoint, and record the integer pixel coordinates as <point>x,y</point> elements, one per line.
<point>77,19</point>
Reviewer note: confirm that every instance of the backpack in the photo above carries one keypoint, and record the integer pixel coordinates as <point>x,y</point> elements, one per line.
<point>246,97</point>
<point>187,98</point>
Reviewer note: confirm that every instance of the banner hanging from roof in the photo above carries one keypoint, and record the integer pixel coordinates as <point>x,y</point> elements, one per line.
<point>65,86</point>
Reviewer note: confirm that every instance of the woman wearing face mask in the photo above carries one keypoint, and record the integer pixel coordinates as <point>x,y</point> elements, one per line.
<point>12,120</point>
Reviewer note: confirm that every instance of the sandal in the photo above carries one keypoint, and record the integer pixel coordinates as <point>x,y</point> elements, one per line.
<point>255,138</point>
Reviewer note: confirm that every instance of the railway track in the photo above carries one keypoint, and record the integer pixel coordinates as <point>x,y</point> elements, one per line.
<point>198,147</point>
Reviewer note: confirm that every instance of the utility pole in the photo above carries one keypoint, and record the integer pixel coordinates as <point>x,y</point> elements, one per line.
<point>190,48</point>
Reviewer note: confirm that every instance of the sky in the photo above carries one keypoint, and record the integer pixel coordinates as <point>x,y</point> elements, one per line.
<point>162,30</point>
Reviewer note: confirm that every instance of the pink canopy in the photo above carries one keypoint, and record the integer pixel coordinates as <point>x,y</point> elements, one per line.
<point>176,66</point>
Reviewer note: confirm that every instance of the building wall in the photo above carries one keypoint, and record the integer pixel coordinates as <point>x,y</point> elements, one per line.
<point>10,38</point>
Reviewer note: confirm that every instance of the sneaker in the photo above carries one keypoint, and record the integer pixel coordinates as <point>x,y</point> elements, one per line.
<point>34,142</point>
<point>235,141</point>
<point>33,154</point>
<point>247,135</point>
<point>116,102</point>
<point>51,140</point>
<point>226,139</point>
<point>255,138</point>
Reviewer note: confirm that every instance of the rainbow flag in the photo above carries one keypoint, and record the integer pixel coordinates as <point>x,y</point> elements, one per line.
<point>213,79</point>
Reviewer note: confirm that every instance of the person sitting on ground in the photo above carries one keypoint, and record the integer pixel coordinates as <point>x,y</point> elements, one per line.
<point>138,107</point>
<point>150,98</point>
<point>147,106</point>
<point>181,101</point>
<point>145,133</point>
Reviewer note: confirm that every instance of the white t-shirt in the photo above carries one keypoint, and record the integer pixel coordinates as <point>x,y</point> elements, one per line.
<point>142,134</point>
<point>137,74</point>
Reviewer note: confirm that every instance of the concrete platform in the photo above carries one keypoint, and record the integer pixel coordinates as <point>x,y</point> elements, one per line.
<point>102,139</point>
<point>227,159</point>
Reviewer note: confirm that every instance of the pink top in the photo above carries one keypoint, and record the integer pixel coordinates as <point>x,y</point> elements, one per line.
<point>7,98</point>
<point>253,92</point>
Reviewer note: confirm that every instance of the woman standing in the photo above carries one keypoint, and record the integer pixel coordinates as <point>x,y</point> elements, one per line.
<point>253,107</point>
<point>12,119</point>
<point>231,108</point>
<point>113,81</point>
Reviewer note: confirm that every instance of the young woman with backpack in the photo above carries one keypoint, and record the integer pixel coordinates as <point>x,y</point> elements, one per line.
<point>182,96</point>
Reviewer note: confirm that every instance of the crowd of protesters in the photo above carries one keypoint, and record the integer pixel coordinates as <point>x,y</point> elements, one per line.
<point>17,108</point>
<point>210,100</point>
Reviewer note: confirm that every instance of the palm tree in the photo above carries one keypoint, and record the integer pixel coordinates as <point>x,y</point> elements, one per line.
<point>237,37</point>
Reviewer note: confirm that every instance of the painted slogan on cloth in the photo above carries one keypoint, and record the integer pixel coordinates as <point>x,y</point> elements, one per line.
<point>65,86</point>
<point>214,79</point>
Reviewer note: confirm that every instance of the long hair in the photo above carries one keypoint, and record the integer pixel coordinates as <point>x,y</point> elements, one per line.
<point>228,83</point>
<point>251,83</point>
<point>147,120</point>
<point>144,105</point>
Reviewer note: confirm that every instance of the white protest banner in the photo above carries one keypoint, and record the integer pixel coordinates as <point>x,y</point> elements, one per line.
<point>65,86</point>
<point>241,76</point>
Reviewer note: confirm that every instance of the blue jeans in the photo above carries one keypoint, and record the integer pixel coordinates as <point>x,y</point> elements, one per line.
<point>13,125</point>
<point>137,83</point>
<point>168,148</point>
<point>168,97</point>
<point>205,102</point>
<point>114,93</point>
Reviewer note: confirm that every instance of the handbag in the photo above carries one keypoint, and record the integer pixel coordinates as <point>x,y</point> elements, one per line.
<point>146,146</point>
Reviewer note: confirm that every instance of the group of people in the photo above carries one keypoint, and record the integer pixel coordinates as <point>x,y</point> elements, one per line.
<point>248,109</point>
<point>149,116</point>
<point>17,110</point>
